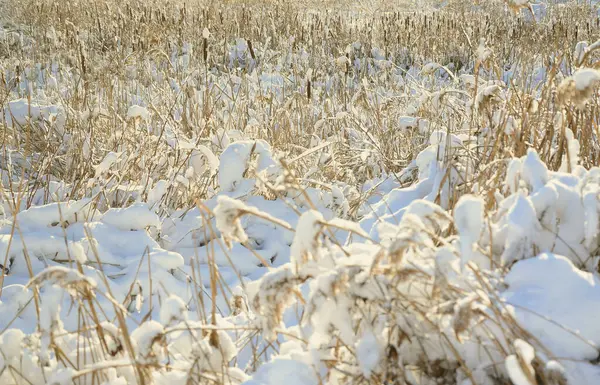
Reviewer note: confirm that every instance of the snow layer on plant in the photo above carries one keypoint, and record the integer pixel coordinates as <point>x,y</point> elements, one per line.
<point>138,112</point>
<point>586,77</point>
<point>135,217</point>
<point>20,113</point>
<point>354,268</point>
<point>368,353</point>
<point>234,162</point>
<point>549,310</point>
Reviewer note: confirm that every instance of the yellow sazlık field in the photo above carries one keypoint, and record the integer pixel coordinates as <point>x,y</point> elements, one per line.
<point>299,193</point>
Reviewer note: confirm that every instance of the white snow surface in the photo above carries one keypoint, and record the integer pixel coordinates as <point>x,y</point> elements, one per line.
<point>118,250</point>
<point>506,281</point>
<point>567,328</point>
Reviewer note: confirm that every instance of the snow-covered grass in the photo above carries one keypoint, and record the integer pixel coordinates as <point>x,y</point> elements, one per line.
<point>233,193</point>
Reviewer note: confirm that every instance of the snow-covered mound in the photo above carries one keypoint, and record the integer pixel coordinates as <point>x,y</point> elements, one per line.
<point>191,195</point>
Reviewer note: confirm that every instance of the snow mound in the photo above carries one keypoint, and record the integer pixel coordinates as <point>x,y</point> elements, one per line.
<point>557,303</point>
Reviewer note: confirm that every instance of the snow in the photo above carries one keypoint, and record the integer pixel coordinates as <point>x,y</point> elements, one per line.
<point>173,310</point>
<point>135,217</point>
<point>138,112</point>
<point>411,122</point>
<point>284,370</point>
<point>483,53</point>
<point>561,315</point>
<point>517,375</point>
<point>147,339</point>
<point>21,113</point>
<point>519,365</point>
<point>305,244</point>
<point>368,353</point>
<point>228,213</point>
<point>202,160</point>
<point>12,340</point>
<point>323,240</point>
<point>55,213</point>
<point>586,77</point>
<point>234,163</point>
<point>157,192</point>
<point>109,160</point>
<point>468,219</point>
<point>534,171</point>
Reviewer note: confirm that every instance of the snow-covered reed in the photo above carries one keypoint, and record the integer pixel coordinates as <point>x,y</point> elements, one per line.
<point>263,194</point>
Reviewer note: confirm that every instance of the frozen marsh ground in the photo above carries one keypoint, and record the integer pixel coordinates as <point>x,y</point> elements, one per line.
<point>273,192</point>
